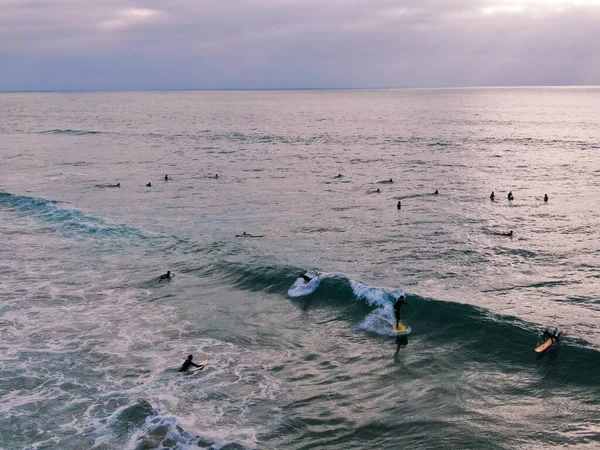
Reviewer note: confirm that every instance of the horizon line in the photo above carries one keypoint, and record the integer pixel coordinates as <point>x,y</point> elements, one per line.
<point>32,91</point>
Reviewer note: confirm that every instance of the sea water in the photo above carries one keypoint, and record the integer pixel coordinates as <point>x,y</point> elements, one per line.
<point>90,340</point>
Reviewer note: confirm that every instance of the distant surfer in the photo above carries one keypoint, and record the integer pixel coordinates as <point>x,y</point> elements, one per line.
<point>166,276</point>
<point>216,176</point>
<point>305,278</point>
<point>545,198</point>
<point>148,184</point>
<point>397,307</point>
<point>492,196</point>
<point>555,335</point>
<point>391,181</point>
<point>378,191</point>
<point>188,363</point>
<point>117,185</point>
<point>399,205</point>
<point>510,196</point>
<point>339,175</point>
<point>166,177</point>
<point>436,192</point>
<point>509,234</point>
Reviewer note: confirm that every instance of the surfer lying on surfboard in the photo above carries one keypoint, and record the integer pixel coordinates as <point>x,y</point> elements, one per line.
<point>397,307</point>
<point>188,363</point>
<point>555,335</point>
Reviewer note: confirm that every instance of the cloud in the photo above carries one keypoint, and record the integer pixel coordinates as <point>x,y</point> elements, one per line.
<point>116,44</point>
<point>129,17</point>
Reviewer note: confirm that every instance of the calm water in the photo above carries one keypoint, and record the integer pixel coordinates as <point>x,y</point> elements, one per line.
<point>90,342</point>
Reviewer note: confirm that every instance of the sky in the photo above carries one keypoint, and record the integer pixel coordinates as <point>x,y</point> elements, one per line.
<point>279,44</point>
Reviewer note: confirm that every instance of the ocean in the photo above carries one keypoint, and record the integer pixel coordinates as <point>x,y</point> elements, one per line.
<point>91,341</point>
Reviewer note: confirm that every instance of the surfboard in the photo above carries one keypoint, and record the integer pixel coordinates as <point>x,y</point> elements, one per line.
<point>197,369</point>
<point>548,343</point>
<point>401,329</point>
<point>544,345</point>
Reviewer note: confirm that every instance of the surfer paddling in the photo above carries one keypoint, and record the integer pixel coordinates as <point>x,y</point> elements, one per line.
<point>165,276</point>
<point>397,307</point>
<point>188,363</point>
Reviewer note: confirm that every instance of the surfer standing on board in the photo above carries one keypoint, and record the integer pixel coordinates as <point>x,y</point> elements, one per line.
<point>188,363</point>
<point>397,306</point>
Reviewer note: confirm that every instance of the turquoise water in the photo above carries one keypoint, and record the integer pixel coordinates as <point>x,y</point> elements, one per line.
<point>90,341</point>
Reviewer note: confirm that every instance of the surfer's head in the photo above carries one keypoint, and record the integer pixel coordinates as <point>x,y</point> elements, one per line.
<point>190,357</point>
<point>168,273</point>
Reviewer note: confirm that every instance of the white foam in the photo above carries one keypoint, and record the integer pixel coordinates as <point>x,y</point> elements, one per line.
<point>301,288</point>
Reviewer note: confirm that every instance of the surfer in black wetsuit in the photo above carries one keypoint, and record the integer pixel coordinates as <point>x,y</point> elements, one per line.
<point>492,196</point>
<point>165,276</point>
<point>148,184</point>
<point>397,307</point>
<point>378,191</point>
<point>399,205</point>
<point>391,181</point>
<point>188,363</point>
<point>339,175</point>
<point>545,198</point>
<point>510,196</point>
<point>305,277</point>
<point>436,192</point>
<point>166,177</point>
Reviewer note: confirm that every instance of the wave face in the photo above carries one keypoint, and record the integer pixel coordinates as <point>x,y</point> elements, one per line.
<point>55,218</point>
<point>91,339</point>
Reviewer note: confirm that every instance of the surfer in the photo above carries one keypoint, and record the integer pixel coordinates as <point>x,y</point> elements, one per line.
<point>188,363</point>
<point>509,234</point>
<point>545,198</point>
<point>305,277</point>
<point>510,196</point>
<point>397,307</point>
<point>378,191</point>
<point>399,205</point>
<point>492,196</point>
<point>165,276</point>
<point>216,176</point>
<point>339,175</point>
<point>436,192</point>
<point>149,184</point>
<point>391,181</point>
<point>555,335</point>
<point>166,177</point>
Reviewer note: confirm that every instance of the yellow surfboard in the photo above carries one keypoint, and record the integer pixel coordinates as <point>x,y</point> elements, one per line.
<point>401,329</point>
<point>197,369</point>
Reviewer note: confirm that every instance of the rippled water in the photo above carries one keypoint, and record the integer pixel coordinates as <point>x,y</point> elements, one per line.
<point>90,341</point>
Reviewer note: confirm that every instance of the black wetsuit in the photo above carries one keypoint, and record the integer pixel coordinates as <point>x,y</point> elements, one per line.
<point>397,306</point>
<point>187,364</point>
<point>306,278</point>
